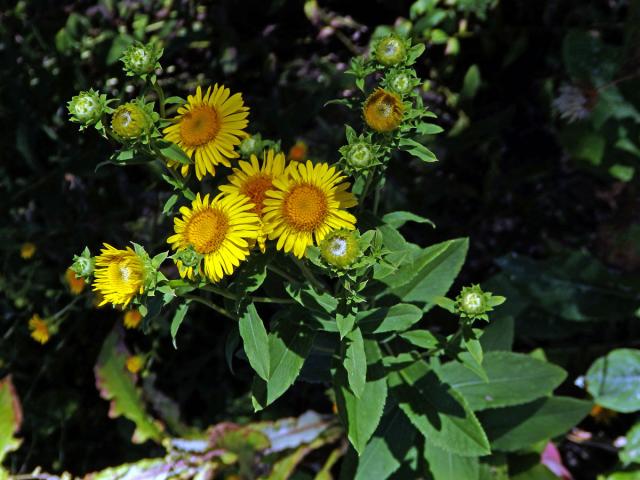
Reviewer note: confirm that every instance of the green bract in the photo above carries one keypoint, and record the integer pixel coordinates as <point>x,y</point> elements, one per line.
<point>391,50</point>
<point>140,59</point>
<point>361,153</point>
<point>87,107</point>
<point>401,81</point>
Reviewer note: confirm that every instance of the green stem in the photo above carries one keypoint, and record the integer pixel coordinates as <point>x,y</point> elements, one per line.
<point>282,273</point>
<point>308,274</point>
<point>211,305</point>
<point>365,190</point>
<point>160,94</point>
<point>66,308</point>
<point>232,296</point>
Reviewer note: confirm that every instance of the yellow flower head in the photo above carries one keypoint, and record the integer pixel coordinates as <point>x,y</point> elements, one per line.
<point>27,250</point>
<point>134,363</point>
<point>76,284</point>
<point>119,275</point>
<point>298,153</point>
<point>39,329</point>
<point>383,111</point>
<point>132,318</point>
<point>208,128</point>
<point>219,231</point>
<point>308,203</point>
<point>253,180</point>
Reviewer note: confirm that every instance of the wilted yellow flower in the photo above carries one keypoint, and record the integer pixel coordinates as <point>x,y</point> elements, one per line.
<point>602,414</point>
<point>383,111</point>
<point>134,363</point>
<point>298,153</point>
<point>39,329</point>
<point>219,231</point>
<point>253,180</point>
<point>132,318</point>
<point>208,128</point>
<point>28,250</point>
<point>119,275</point>
<point>76,285</point>
<point>306,204</point>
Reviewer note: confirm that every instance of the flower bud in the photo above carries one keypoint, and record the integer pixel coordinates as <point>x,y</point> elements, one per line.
<point>401,81</point>
<point>189,257</point>
<point>391,50</point>
<point>251,146</point>
<point>340,248</point>
<point>141,59</point>
<point>383,111</point>
<point>360,155</point>
<point>129,121</point>
<point>87,107</point>
<point>474,304</point>
<point>83,264</point>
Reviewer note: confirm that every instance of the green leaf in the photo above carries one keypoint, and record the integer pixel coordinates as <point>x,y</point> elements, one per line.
<point>345,323</point>
<point>175,153</point>
<point>389,319</point>
<point>471,83</point>
<point>355,362</point>
<point>425,128</point>
<point>430,274</point>
<point>289,344</point>
<point>421,338</point>
<point>178,317</point>
<point>168,205</point>
<point>116,384</point>
<point>255,340</point>
<point>514,428</point>
<point>498,335</point>
<point>398,219</point>
<point>624,173</point>
<point>445,465</point>
<point>10,418</point>
<point>631,451</point>
<point>513,379</point>
<point>438,411</point>
<point>614,380</point>
<point>417,150</point>
<point>173,100</point>
<point>361,415</point>
<point>251,275</point>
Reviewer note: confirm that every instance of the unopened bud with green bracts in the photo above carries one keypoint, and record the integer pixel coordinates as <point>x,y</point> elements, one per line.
<point>401,80</point>
<point>132,120</point>
<point>87,108</point>
<point>390,50</point>
<point>473,303</point>
<point>360,153</point>
<point>83,264</point>
<point>140,60</point>
<point>340,248</point>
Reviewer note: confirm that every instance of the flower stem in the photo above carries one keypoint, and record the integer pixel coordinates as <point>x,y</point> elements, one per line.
<point>160,94</point>
<point>232,296</point>
<point>282,273</point>
<point>211,305</point>
<point>308,274</point>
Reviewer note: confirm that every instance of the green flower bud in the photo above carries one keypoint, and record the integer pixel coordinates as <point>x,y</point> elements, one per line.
<point>391,50</point>
<point>83,264</point>
<point>360,155</point>
<point>140,59</point>
<point>189,257</point>
<point>340,248</point>
<point>129,121</point>
<point>87,107</point>
<point>251,146</point>
<point>473,303</point>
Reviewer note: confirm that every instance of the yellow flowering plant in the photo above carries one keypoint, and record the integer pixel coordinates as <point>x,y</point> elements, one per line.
<point>259,231</point>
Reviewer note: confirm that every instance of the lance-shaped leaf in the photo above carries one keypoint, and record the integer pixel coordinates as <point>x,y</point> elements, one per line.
<point>438,411</point>
<point>10,417</point>
<point>254,339</point>
<point>116,384</point>
<point>614,380</point>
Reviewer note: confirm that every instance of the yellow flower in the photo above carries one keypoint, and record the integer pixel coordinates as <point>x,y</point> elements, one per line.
<point>219,232</point>
<point>119,275</point>
<point>134,363</point>
<point>132,318</point>
<point>308,203</point>
<point>27,250</point>
<point>76,285</point>
<point>39,329</point>
<point>208,128</point>
<point>383,111</point>
<point>254,180</point>
<point>298,153</point>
